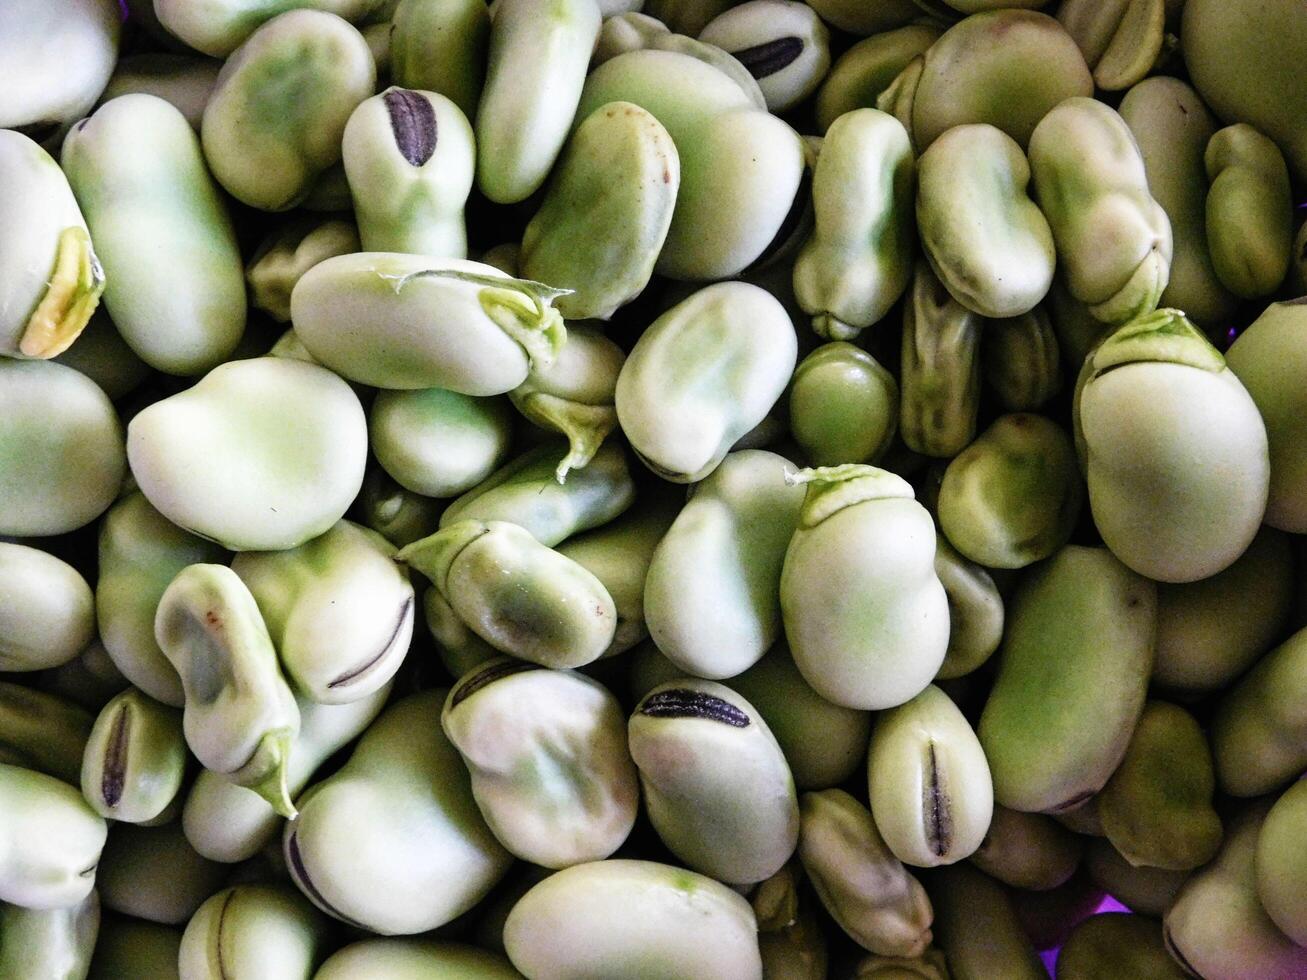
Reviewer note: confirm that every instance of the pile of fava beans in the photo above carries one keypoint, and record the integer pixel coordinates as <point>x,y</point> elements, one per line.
<point>653,490</point>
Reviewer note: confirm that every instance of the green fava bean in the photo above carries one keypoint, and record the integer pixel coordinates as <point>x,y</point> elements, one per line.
<point>1113,238</point>
<point>716,785</point>
<point>103,356</point>
<point>397,514</point>
<point>58,57</point>
<point>776,900</point>
<point>414,959</point>
<point>184,81</point>
<point>49,943</point>
<point>1157,807</point>
<point>844,406</point>
<point>135,758</point>
<point>1028,850</point>
<point>526,492</point>
<point>47,612</point>
<point>505,257</point>
<point>1020,360</point>
<point>1266,359</point>
<point>620,555</point>
<point>606,213</point>
<point>985,238</point>
<point>162,231</point>
<point>408,156</point>
<point>978,928</point>
<point>140,552</point>
<point>459,648</point>
<point>128,948</point>
<point>1121,39</point>
<point>1257,733</point>
<point>283,258</point>
<point>538,58</point>
<point>229,823</point>
<point>864,611</point>
<point>1281,869</point>
<point>975,611</point>
<point>1082,818</point>
<point>260,455</point>
<point>1244,59</point>
<point>824,743</point>
<point>1211,631</point>
<point>1007,68</point>
<point>1172,127</point>
<point>61,449</point>
<point>511,721</point>
<point>864,887</point>
<point>50,841</point>
<point>1147,891</point>
<point>741,167</point>
<point>858,76</point>
<point>338,609</point>
<point>1072,676</point>
<point>783,44</point>
<point>438,443</point>
<point>1217,928</point>
<point>711,596</point>
<point>440,46</point>
<point>520,596</point>
<point>635,32</point>
<point>253,930</point>
<point>866,17</point>
<point>43,732</point>
<point>858,261</point>
<point>393,841</point>
<point>426,323</point>
<point>686,16</point>
<point>622,918</point>
<point>152,873</point>
<point>702,375</point>
<point>1249,211</point>
<point>219,27</point>
<point>240,717</point>
<point>928,781</point>
<point>896,98</point>
<point>1179,490</point>
<point>52,278</point>
<point>796,951</point>
<point>940,375</point>
<point>625,32</point>
<point>1113,945</point>
<point>575,395</point>
<point>274,122</point>
<point>1013,496</point>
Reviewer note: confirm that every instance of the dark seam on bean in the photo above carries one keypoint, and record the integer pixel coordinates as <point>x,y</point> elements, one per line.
<point>1074,802</point>
<point>800,209</point>
<point>115,758</point>
<point>1174,950</point>
<point>939,825</point>
<point>682,703</point>
<point>385,649</point>
<point>222,914</point>
<point>305,882</point>
<point>488,676</point>
<point>413,124</point>
<point>770,57</point>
